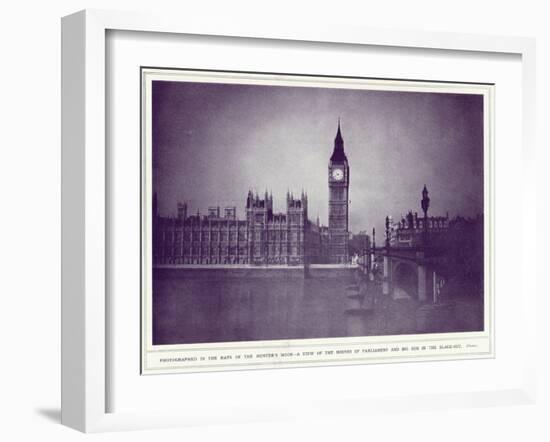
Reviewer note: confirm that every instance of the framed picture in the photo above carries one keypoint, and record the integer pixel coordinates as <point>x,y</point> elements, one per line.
<point>237,202</point>
<point>300,280</point>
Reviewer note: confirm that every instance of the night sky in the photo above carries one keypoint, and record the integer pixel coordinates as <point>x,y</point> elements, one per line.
<point>214,142</point>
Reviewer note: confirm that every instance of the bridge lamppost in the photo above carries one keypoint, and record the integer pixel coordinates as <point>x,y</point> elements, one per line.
<point>388,232</point>
<point>425,206</point>
<point>372,256</point>
<point>386,289</point>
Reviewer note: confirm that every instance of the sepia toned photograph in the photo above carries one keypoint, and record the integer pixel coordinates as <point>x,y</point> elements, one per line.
<point>282,210</point>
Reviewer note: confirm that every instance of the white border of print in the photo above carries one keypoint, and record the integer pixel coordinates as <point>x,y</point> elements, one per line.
<point>84,237</point>
<point>327,351</point>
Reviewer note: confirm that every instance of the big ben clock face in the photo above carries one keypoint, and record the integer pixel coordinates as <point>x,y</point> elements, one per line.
<point>338,174</point>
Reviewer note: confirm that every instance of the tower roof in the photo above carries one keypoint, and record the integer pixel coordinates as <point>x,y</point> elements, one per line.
<point>338,154</point>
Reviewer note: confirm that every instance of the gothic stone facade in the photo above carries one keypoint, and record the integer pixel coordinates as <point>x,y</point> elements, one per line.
<point>263,237</point>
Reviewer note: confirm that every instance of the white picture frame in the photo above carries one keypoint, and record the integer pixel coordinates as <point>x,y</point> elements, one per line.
<point>84,207</point>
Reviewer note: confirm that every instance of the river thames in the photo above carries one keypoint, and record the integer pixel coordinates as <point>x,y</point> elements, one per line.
<point>213,307</point>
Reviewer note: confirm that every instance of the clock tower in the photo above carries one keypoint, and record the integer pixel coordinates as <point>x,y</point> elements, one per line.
<point>338,202</point>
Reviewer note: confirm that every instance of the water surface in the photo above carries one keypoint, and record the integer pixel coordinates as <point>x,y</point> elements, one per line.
<point>209,308</point>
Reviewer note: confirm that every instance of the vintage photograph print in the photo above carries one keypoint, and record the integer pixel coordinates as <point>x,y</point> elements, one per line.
<point>292,220</point>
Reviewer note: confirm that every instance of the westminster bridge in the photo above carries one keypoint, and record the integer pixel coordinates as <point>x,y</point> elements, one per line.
<point>413,272</point>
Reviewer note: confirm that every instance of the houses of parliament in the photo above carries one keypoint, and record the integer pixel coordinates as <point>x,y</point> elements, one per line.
<point>263,237</point>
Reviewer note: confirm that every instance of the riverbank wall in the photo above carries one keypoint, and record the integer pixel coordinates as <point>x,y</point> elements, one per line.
<point>272,272</point>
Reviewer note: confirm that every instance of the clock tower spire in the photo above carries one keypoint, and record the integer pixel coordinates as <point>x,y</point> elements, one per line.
<point>338,202</point>
<point>338,154</point>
